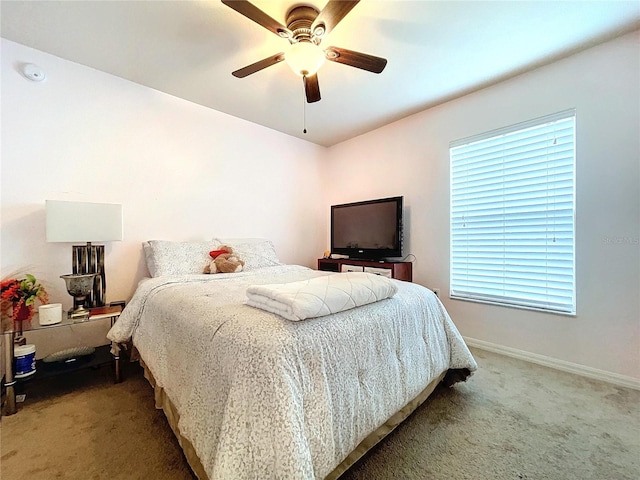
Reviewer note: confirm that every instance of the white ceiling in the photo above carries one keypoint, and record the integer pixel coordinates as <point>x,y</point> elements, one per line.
<point>437,50</point>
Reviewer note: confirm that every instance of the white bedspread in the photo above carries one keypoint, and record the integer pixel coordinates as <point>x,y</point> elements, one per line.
<point>263,397</point>
<point>321,296</point>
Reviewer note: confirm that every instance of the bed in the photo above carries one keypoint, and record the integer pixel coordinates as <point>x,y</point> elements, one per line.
<point>251,394</point>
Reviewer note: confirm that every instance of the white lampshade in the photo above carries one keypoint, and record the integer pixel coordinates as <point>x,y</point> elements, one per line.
<point>304,58</point>
<point>83,221</point>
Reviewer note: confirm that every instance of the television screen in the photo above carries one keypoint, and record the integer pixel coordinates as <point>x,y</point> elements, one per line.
<point>370,229</point>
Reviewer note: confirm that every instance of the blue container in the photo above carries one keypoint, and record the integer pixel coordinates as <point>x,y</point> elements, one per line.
<point>25,357</point>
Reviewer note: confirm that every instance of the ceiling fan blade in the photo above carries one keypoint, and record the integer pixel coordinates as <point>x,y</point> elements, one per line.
<point>256,67</point>
<point>356,59</point>
<point>252,12</point>
<point>312,88</point>
<point>331,14</point>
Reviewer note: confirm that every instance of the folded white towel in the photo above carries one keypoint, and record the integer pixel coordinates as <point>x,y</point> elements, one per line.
<point>321,295</point>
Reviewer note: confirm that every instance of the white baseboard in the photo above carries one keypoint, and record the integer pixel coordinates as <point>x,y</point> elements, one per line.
<point>594,373</point>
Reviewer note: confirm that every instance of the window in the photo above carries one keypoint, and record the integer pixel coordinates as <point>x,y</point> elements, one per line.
<point>512,215</point>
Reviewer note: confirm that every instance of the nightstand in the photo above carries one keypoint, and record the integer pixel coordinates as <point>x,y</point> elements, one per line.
<point>102,355</point>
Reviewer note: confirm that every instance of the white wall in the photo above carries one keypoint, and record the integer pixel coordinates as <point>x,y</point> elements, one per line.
<point>180,170</point>
<point>411,158</point>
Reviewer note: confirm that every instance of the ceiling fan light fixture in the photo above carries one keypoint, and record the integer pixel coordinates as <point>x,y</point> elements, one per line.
<point>305,58</point>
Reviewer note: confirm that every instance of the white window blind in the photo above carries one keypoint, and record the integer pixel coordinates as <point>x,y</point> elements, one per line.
<point>512,215</point>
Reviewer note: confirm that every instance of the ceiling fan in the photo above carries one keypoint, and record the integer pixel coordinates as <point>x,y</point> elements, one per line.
<point>306,27</point>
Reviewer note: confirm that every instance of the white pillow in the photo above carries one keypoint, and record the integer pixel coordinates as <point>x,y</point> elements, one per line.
<point>177,258</point>
<point>256,252</point>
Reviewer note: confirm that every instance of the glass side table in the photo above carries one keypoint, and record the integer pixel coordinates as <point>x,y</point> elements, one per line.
<point>10,337</point>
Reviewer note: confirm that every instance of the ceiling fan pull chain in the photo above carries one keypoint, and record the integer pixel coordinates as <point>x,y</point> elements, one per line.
<point>304,105</point>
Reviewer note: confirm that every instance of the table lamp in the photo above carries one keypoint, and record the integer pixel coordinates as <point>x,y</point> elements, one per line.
<point>86,222</point>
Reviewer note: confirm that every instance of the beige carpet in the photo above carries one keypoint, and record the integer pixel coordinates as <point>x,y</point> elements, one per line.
<point>511,420</point>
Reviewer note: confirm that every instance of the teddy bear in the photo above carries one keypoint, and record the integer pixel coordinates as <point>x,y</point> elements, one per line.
<point>223,260</point>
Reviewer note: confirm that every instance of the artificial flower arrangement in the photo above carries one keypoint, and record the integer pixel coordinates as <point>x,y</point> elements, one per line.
<point>21,295</point>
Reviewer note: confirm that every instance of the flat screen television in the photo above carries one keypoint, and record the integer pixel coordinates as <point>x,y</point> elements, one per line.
<point>369,230</point>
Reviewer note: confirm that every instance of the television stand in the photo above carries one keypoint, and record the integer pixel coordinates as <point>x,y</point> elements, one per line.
<point>398,270</point>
